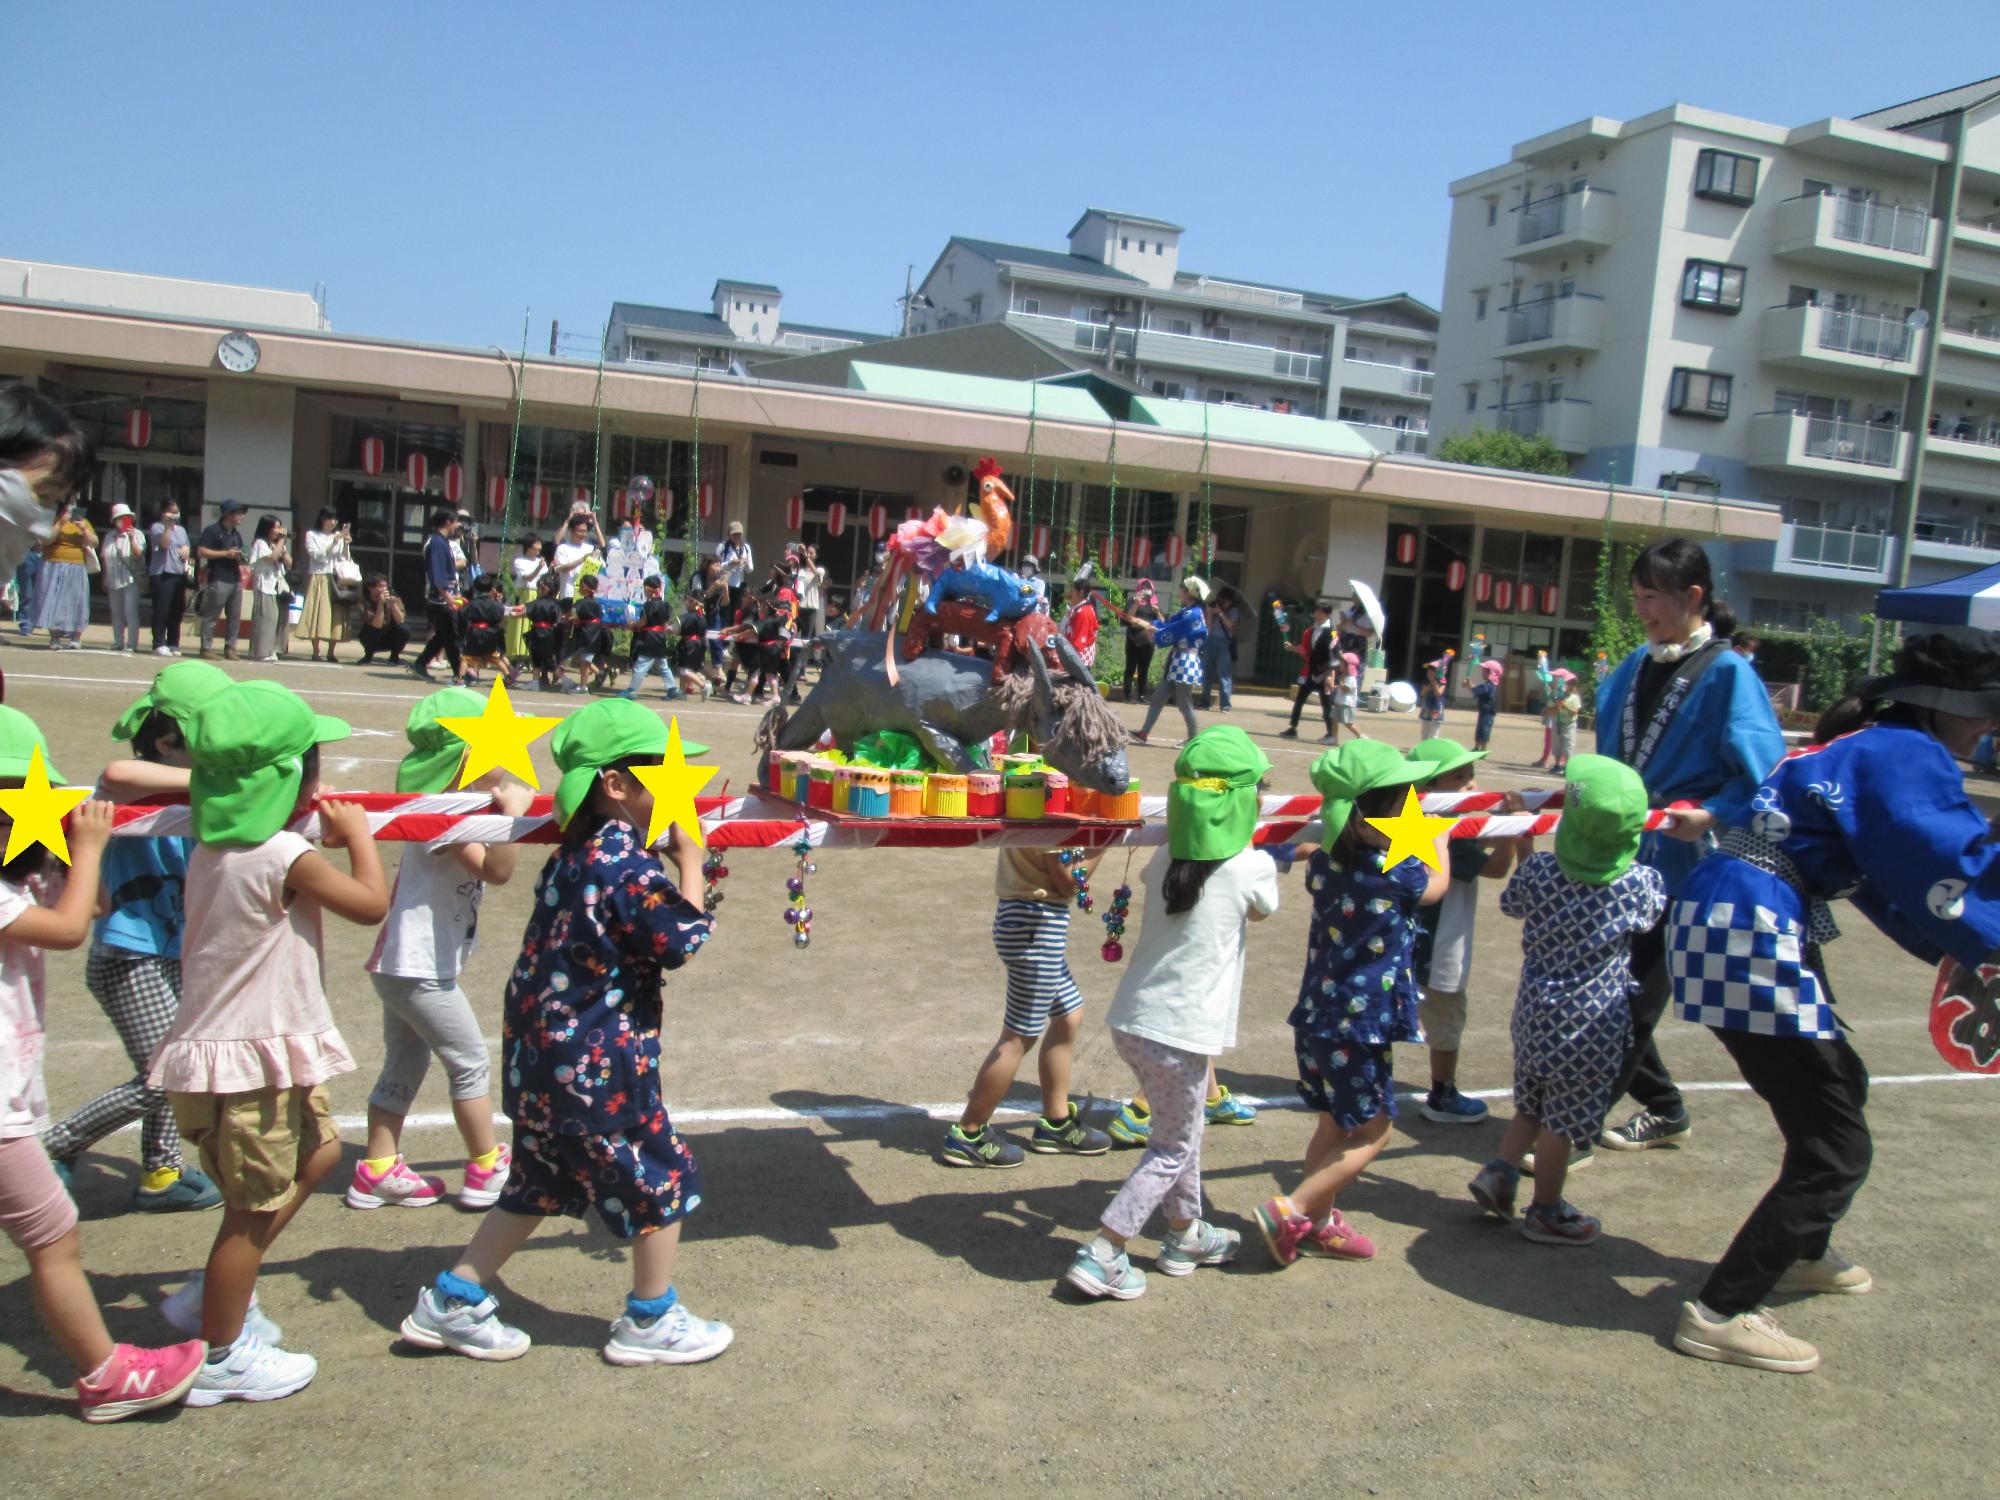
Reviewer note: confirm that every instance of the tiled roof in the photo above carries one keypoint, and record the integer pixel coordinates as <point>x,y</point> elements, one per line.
<point>670,319</point>
<point>1048,260</point>
<point>748,286</point>
<point>833,333</point>
<point>1930,106</point>
<point>1112,213</point>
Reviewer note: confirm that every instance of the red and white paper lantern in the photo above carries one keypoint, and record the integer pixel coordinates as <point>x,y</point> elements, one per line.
<point>836,518</point>
<point>1406,547</point>
<point>1454,575</point>
<point>1107,554</point>
<point>1550,598</point>
<point>621,503</point>
<point>581,495</point>
<point>1142,553</point>
<point>416,471</point>
<point>539,498</point>
<point>373,455</point>
<point>138,427</point>
<point>878,520</point>
<point>1482,588</point>
<point>1038,544</point>
<point>664,499</point>
<point>1529,597</point>
<point>1503,594</point>
<point>913,513</point>
<point>454,482</point>
<point>1176,552</point>
<point>795,513</point>
<point>496,494</point>
<point>707,501</point>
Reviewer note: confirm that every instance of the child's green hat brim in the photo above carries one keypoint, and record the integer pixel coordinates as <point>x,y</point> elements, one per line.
<point>604,733</point>
<point>1443,756</point>
<point>435,752</point>
<point>20,738</point>
<point>1350,772</point>
<point>177,692</point>
<point>1603,819</point>
<point>248,744</point>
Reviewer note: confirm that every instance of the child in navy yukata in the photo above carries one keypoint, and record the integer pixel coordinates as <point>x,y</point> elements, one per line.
<point>545,634</point>
<point>1581,907</point>
<point>1486,699</point>
<point>1358,995</point>
<point>580,1052</point>
<point>1430,704</point>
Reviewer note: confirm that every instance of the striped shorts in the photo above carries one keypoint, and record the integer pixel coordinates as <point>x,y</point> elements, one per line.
<point>1033,942</point>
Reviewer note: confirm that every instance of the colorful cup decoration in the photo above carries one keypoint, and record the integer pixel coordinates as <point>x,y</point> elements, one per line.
<point>944,796</point>
<point>1027,796</point>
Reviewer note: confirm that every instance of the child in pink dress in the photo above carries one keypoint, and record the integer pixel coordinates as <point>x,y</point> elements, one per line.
<point>254,1042</point>
<point>38,911</point>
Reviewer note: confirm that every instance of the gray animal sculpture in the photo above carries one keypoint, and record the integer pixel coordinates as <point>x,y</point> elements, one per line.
<point>948,702</point>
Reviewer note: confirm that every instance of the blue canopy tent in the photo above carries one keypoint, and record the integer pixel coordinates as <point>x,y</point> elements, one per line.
<point>1971,600</point>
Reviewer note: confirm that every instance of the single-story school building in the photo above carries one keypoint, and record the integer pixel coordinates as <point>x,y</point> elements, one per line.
<point>205,393</point>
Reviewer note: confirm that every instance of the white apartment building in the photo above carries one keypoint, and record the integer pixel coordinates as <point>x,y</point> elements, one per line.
<point>744,327</point>
<point>1119,293</point>
<point>1805,315</point>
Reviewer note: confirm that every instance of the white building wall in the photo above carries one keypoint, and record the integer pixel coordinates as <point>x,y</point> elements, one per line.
<point>249,450</point>
<point>208,301</point>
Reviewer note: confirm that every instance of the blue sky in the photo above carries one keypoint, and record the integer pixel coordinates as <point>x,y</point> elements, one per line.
<point>441,174</point>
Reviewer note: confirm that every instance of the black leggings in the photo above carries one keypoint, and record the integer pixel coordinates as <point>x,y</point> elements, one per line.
<point>1817,1090</point>
<point>1138,663</point>
<point>169,604</point>
<point>444,638</point>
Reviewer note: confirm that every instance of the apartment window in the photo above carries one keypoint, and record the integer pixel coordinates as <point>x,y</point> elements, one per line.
<point>1159,247</point>
<point>1492,212</point>
<point>1472,398</point>
<point>767,307</point>
<point>1180,325</point>
<point>1725,177</point>
<point>1690,482</point>
<point>1699,393</point>
<point>1032,306</point>
<point>1124,243</point>
<point>1711,284</point>
<point>973,304</point>
<point>1353,414</point>
<point>1171,389</point>
<point>1479,307</point>
<point>1220,332</point>
<point>1142,247</point>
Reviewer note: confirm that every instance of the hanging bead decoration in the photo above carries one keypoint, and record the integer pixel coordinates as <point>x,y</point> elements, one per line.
<point>1079,872</point>
<point>713,873</point>
<point>1114,924</point>
<point>798,916</point>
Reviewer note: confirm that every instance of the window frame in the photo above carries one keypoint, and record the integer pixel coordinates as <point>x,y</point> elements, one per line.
<point>1731,191</point>
<point>1681,389</point>
<point>1696,265</point>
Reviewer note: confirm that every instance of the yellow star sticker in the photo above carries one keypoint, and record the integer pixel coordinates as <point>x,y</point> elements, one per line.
<point>38,810</point>
<point>499,737</point>
<point>674,783</point>
<point>1411,832</point>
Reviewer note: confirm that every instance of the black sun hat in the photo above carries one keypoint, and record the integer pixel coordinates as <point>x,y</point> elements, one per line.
<point>1954,671</point>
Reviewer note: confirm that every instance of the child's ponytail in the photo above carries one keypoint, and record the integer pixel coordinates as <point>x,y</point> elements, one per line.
<point>1184,883</point>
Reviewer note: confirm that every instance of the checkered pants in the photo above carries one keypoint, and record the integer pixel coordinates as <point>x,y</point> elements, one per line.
<point>140,993</point>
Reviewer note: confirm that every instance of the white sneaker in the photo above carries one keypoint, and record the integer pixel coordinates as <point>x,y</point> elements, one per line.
<point>183,1312</point>
<point>252,1370</point>
<point>474,1329</point>
<point>676,1338</point>
<point>163,651</point>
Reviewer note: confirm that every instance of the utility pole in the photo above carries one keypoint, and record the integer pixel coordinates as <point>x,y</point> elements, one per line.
<point>554,329</point>
<point>909,293</point>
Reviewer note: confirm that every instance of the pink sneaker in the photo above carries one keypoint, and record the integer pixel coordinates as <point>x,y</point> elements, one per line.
<point>483,1184</point>
<point>398,1187</point>
<point>1284,1229</point>
<point>135,1380</point>
<point>1337,1239</point>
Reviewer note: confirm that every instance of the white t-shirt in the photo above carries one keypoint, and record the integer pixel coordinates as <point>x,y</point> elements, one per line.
<point>810,584</point>
<point>573,552</point>
<point>1185,981</point>
<point>322,547</point>
<point>433,922</point>
<point>267,574</point>
<point>24,1098</point>
<point>1451,953</point>
<point>527,573</point>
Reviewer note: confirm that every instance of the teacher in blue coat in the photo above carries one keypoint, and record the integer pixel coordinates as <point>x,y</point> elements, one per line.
<point>1693,719</point>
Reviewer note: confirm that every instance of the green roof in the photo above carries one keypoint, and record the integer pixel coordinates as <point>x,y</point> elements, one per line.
<point>1246,424</point>
<point>1059,403</point>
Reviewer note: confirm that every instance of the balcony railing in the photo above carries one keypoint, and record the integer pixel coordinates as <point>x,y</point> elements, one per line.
<point>1529,322</point>
<point>1979,325</point>
<point>1944,533</point>
<point>813,342</point>
<point>1985,432</point>
<point>1394,439</point>
<point>1848,442</point>
<point>1414,382</point>
<point>1884,226</point>
<point>1544,218</point>
<point>1533,418</point>
<point>1840,547</point>
<point>1246,295</point>
<point>1871,335</point>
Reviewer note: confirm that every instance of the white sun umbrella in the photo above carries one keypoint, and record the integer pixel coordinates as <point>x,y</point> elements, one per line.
<point>1370,606</point>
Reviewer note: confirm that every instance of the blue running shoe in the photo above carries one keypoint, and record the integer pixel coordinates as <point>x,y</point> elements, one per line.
<point>986,1148</point>
<point>1096,1278</point>
<point>1227,1109</point>
<point>1070,1137</point>
<point>187,1193</point>
<point>1448,1106</point>
<point>1132,1126</point>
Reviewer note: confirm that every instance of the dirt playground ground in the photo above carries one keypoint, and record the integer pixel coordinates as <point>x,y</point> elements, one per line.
<point>897,1325</point>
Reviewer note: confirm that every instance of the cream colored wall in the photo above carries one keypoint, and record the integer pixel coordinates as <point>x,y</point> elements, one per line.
<point>84,286</point>
<point>249,449</point>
